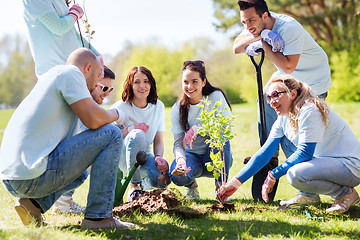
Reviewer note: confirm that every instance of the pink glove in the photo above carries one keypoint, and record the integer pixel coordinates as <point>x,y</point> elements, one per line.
<point>181,169</point>
<point>226,191</point>
<point>76,11</point>
<point>190,136</point>
<point>142,126</point>
<point>267,187</point>
<point>162,164</point>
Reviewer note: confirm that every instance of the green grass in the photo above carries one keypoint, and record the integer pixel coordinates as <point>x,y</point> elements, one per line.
<point>257,221</point>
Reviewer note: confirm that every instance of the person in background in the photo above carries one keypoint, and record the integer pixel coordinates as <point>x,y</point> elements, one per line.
<point>52,37</point>
<point>146,127</point>
<point>41,155</point>
<point>65,204</point>
<point>327,156</point>
<point>292,50</point>
<point>191,152</point>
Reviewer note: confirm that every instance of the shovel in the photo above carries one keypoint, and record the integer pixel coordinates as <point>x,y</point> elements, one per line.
<point>123,182</point>
<point>259,177</point>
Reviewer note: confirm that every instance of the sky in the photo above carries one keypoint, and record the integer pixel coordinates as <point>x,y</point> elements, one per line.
<point>116,22</point>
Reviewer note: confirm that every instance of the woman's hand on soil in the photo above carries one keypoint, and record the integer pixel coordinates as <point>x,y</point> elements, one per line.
<point>181,169</point>
<point>267,187</point>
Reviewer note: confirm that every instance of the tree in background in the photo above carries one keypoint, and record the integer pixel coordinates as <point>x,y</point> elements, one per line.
<point>17,76</point>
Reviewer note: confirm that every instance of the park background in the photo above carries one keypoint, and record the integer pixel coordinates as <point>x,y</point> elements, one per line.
<point>160,35</point>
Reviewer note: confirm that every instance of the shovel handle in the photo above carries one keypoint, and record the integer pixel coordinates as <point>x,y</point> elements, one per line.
<point>262,57</point>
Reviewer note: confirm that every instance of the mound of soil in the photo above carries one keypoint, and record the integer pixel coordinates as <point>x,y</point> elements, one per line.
<point>158,200</point>
<point>223,207</point>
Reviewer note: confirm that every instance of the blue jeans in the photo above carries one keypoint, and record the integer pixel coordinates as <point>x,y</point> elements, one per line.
<point>270,117</point>
<point>134,142</point>
<point>325,175</point>
<point>196,162</point>
<point>66,170</point>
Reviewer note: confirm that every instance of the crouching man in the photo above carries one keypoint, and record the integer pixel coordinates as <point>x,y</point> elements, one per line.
<point>41,158</point>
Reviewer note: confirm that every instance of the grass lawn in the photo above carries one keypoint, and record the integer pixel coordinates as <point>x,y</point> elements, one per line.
<point>252,221</point>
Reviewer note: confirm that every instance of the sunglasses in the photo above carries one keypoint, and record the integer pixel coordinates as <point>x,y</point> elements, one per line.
<point>198,63</point>
<point>105,88</point>
<point>274,95</point>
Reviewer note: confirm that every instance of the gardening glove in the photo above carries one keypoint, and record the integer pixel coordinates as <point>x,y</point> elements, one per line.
<point>76,11</point>
<point>190,136</point>
<point>267,187</point>
<point>123,118</point>
<point>226,191</point>
<point>142,126</point>
<point>252,47</point>
<point>273,39</point>
<point>181,169</point>
<point>161,164</point>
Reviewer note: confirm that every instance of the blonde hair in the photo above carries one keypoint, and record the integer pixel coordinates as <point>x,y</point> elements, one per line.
<point>304,95</point>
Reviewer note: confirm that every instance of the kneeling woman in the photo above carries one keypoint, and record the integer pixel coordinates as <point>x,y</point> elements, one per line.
<point>190,160</point>
<point>327,158</point>
<point>146,126</point>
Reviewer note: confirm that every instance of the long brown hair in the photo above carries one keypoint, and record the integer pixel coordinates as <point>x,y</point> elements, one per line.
<point>304,95</point>
<point>206,90</point>
<point>128,94</point>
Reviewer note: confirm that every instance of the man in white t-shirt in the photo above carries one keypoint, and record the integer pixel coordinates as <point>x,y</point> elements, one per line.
<point>290,47</point>
<point>42,158</point>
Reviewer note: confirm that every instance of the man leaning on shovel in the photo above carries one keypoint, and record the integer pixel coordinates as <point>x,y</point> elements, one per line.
<point>293,51</point>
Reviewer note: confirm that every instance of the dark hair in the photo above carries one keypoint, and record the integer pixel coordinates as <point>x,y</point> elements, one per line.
<point>206,90</point>
<point>108,73</point>
<point>259,5</point>
<point>128,94</point>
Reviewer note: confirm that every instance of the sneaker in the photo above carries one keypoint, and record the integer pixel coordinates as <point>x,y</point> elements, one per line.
<point>67,205</point>
<point>302,200</point>
<point>343,203</point>
<point>28,213</point>
<point>192,193</point>
<point>134,193</point>
<point>106,224</point>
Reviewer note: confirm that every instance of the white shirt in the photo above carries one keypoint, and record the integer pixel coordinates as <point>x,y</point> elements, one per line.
<point>41,121</point>
<point>335,139</point>
<point>153,115</point>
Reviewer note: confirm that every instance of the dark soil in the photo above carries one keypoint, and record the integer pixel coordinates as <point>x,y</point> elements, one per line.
<point>223,207</point>
<point>158,200</point>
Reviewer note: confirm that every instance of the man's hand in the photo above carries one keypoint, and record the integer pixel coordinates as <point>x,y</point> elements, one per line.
<point>267,187</point>
<point>190,136</point>
<point>181,169</point>
<point>252,47</point>
<point>226,191</point>
<point>273,39</point>
<point>161,164</point>
<point>142,126</point>
<point>76,11</point>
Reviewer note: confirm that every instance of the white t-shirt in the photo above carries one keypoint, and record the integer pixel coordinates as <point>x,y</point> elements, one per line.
<point>153,115</point>
<point>335,139</point>
<point>41,121</point>
<point>313,66</point>
<point>199,145</point>
<point>48,49</point>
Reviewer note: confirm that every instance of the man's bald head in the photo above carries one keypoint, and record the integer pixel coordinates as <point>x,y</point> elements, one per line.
<point>88,63</point>
<point>81,57</point>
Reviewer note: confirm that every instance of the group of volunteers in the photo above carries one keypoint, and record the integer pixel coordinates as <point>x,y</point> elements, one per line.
<point>60,134</point>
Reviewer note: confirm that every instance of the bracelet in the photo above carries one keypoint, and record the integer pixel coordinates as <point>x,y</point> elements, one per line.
<point>74,15</point>
<point>117,113</point>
